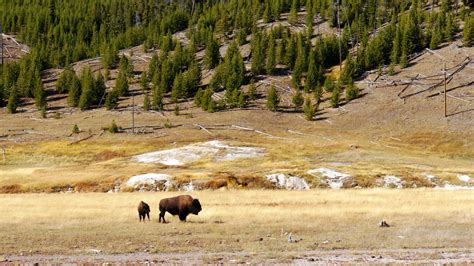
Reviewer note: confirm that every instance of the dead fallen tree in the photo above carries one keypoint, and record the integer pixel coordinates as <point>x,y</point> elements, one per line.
<point>235,127</point>
<point>467,84</point>
<point>81,140</point>
<point>205,129</point>
<point>427,83</point>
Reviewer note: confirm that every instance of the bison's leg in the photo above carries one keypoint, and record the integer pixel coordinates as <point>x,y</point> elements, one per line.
<point>140,216</point>
<point>162,216</point>
<point>182,217</point>
<point>148,215</point>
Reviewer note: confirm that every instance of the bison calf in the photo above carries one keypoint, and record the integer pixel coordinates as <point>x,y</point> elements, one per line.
<point>180,205</point>
<point>143,210</point>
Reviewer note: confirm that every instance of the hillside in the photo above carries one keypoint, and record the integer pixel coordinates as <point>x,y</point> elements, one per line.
<point>395,126</point>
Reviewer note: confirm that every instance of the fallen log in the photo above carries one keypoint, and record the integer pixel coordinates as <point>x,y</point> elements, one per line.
<point>203,128</point>
<point>450,77</point>
<point>451,89</point>
<point>80,140</point>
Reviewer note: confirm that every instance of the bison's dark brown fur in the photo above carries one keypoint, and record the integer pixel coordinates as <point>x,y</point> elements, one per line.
<point>180,205</point>
<point>143,210</point>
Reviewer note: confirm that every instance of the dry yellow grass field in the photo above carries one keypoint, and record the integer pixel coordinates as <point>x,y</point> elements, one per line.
<point>239,221</point>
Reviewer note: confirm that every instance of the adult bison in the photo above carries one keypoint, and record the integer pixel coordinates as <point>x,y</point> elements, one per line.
<point>179,205</point>
<point>143,210</point>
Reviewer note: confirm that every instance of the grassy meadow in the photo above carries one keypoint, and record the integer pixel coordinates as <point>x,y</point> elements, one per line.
<point>253,221</point>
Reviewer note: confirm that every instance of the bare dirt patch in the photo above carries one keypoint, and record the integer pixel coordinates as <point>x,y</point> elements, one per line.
<point>403,256</point>
<point>14,50</point>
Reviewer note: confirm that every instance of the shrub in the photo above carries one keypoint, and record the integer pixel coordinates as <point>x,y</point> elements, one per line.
<point>75,129</point>
<point>176,110</point>
<point>352,92</point>
<point>113,127</point>
<point>335,98</point>
<point>297,100</point>
<point>329,85</point>
<point>272,100</point>
<point>252,93</point>
<point>308,109</point>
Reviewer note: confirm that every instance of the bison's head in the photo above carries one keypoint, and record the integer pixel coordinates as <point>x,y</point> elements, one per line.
<point>195,207</point>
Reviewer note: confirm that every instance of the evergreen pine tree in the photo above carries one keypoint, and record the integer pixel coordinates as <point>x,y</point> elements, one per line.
<point>291,53</point>
<point>43,111</point>
<point>198,97</point>
<point>113,127</point>
<point>252,91</point>
<point>25,80</point>
<point>328,85</point>
<point>62,85</point>
<point>335,97</point>
<point>280,52</point>
<point>99,89</point>
<point>258,54</point>
<point>87,85</point>
<point>178,57</point>
<point>126,66</point>
<point>348,71</point>
<point>212,55</point>
<point>271,60</point>
<point>395,54</point>
<point>153,69</point>
<point>297,100</point>
<point>232,97</point>
<point>109,56</point>
<point>297,72</point>
<point>352,92</point>
<point>144,81</point>
<point>157,98</point>
<point>292,19</point>
<point>318,94</point>
<point>206,98</point>
<point>308,109</point>
<point>111,100</point>
<point>468,32</point>
<point>75,129</point>
<point>404,60</point>
<point>391,69</point>
<point>191,79</point>
<point>211,107</point>
<point>233,69</point>
<point>146,102</point>
<point>273,99</point>
<point>13,100</point>
<point>267,15</point>
<point>74,90</point>
<point>167,76</point>
<point>312,77</point>
<point>276,9</point>
<point>121,84</point>
<point>451,28</point>
<point>435,38</point>
<point>176,110</point>
<point>177,90</point>
<point>242,103</point>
